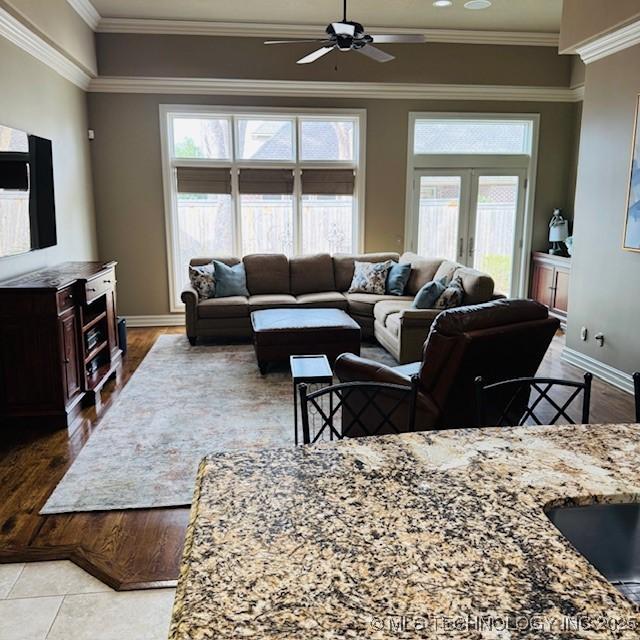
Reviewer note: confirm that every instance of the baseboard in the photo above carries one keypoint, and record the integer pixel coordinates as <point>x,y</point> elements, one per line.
<point>605,372</point>
<point>169,320</point>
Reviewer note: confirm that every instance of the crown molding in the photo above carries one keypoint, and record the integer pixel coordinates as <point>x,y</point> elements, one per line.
<point>14,31</point>
<point>610,43</point>
<point>261,30</point>
<point>87,12</point>
<point>307,88</point>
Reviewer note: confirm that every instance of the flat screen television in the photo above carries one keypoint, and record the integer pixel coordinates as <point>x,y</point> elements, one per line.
<point>27,201</point>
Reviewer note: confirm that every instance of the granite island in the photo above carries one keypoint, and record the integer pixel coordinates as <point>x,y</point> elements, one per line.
<point>423,535</point>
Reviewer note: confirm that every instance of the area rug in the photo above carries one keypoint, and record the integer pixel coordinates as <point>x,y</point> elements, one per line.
<point>181,403</point>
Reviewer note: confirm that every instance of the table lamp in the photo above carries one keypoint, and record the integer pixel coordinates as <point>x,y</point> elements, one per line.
<point>558,233</point>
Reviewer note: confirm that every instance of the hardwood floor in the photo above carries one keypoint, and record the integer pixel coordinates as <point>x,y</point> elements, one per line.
<point>140,548</point>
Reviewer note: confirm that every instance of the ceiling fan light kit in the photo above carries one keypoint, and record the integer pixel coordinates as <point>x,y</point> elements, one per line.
<point>477,4</point>
<point>347,35</point>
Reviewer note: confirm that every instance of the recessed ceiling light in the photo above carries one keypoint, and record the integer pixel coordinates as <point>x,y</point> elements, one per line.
<point>477,4</point>
<point>442,3</point>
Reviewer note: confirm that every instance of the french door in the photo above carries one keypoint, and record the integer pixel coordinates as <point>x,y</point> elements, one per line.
<point>472,216</point>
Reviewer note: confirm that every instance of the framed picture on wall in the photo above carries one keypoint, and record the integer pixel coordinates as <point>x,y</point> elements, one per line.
<point>632,222</point>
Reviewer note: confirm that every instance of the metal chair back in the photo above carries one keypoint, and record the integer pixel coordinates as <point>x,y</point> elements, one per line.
<point>636,389</point>
<point>524,401</point>
<point>356,409</point>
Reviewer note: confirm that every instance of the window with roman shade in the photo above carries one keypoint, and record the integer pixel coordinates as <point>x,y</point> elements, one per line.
<point>278,181</point>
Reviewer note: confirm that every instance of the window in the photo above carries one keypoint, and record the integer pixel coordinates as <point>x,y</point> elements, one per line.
<point>273,181</point>
<point>461,136</point>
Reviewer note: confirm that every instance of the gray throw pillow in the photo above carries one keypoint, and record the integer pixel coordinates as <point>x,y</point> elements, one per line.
<point>202,279</point>
<point>398,278</point>
<point>370,277</point>
<point>452,296</point>
<point>230,281</point>
<point>429,293</point>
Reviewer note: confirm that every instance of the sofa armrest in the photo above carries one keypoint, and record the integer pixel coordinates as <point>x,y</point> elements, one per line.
<point>351,368</point>
<point>190,298</point>
<point>418,317</point>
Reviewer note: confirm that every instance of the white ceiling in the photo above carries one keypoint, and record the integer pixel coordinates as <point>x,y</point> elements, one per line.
<point>503,15</point>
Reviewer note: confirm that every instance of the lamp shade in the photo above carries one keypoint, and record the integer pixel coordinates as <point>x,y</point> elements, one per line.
<point>559,232</point>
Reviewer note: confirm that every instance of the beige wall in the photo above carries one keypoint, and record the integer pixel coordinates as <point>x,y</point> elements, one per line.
<point>200,56</point>
<point>128,177</point>
<point>58,23</point>
<point>37,100</point>
<point>583,20</point>
<point>605,280</point>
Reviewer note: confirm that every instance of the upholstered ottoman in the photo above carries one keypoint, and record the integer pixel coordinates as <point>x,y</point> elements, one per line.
<point>280,333</point>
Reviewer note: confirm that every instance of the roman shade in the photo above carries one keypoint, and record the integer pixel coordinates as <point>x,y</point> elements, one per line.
<point>328,181</point>
<point>258,181</point>
<point>203,180</point>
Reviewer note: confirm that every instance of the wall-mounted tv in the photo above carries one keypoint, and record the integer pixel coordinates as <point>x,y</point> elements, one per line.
<point>27,202</point>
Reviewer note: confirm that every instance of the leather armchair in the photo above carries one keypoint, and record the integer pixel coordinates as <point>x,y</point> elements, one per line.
<point>497,340</point>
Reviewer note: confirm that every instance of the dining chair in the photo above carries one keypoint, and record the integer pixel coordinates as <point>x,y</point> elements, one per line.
<point>523,401</point>
<point>357,409</point>
<point>636,389</point>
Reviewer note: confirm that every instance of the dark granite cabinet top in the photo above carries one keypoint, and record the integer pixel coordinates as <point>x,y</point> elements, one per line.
<point>426,535</point>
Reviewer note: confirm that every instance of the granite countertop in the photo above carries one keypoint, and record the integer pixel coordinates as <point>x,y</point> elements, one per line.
<point>432,534</point>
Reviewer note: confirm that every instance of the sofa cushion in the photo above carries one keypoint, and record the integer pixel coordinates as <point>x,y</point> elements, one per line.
<point>311,274</point>
<point>446,270</point>
<point>478,286</point>
<point>328,299</point>
<point>231,307</point>
<point>362,304</point>
<point>230,281</point>
<point>385,308</point>
<point>267,273</point>
<point>423,270</point>
<point>370,277</point>
<point>393,323</point>
<point>271,301</point>
<point>343,266</point>
<point>228,260</point>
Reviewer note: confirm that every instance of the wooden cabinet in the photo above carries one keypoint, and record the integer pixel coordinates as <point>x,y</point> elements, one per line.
<point>550,283</point>
<point>58,342</point>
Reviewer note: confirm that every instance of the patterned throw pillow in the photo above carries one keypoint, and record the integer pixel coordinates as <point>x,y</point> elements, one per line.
<point>203,281</point>
<point>370,277</point>
<point>452,295</point>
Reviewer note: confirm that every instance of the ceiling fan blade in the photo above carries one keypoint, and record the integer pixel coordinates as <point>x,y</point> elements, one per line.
<point>314,55</point>
<point>343,28</point>
<point>293,41</point>
<point>399,38</point>
<point>376,54</point>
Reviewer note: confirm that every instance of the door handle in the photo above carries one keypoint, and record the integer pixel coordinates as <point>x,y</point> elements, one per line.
<point>471,247</point>
<point>460,248</point>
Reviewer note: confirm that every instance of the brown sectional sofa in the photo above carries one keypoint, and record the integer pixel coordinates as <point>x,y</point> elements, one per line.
<point>322,281</point>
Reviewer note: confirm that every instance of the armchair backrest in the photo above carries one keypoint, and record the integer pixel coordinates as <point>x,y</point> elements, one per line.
<point>497,340</point>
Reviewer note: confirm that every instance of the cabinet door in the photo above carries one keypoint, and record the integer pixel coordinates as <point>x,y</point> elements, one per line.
<point>69,334</point>
<point>543,283</point>
<point>561,291</point>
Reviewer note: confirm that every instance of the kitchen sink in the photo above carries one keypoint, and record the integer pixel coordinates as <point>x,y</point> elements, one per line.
<point>608,536</point>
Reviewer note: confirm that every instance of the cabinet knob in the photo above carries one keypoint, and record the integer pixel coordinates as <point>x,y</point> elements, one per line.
<point>107,281</point>
<point>67,361</point>
<point>90,289</point>
<point>70,296</point>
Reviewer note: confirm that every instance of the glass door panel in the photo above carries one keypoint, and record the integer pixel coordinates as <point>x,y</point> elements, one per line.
<point>441,203</point>
<point>494,226</point>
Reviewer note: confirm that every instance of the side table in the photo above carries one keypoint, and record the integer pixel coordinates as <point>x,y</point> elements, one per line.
<point>308,369</point>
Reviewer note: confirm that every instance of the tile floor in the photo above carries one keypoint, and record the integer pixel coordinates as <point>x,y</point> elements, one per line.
<point>60,601</point>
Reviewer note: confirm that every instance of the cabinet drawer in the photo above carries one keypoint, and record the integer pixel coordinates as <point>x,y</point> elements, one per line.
<point>97,287</point>
<point>65,299</point>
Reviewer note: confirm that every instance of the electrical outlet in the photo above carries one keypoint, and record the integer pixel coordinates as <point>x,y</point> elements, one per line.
<point>584,334</point>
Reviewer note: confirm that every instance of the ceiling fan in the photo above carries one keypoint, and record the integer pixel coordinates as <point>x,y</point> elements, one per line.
<point>347,35</point>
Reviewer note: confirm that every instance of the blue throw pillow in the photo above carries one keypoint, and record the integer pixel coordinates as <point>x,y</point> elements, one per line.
<point>230,281</point>
<point>428,294</point>
<point>398,277</point>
